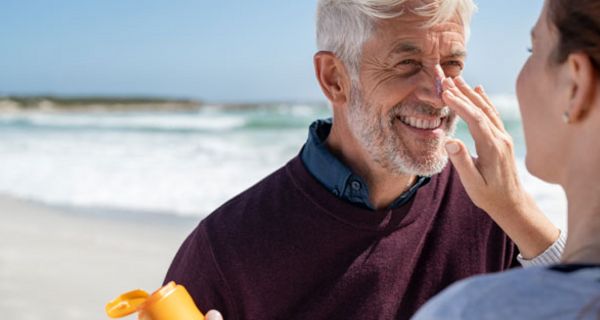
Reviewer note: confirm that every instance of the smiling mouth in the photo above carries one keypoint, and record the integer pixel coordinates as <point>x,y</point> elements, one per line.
<point>422,124</point>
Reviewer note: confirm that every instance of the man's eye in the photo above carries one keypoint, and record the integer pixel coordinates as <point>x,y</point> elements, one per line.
<point>457,64</point>
<point>409,62</point>
<point>453,68</point>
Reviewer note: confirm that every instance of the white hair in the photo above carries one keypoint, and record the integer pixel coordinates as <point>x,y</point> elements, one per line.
<point>343,26</point>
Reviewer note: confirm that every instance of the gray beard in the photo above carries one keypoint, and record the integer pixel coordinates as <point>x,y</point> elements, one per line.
<point>377,136</point>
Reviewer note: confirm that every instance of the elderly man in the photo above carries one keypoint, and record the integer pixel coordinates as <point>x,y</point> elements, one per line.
<point>369,220</point>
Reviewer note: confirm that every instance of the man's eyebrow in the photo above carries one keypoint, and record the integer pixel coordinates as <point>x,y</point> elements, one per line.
<point>457,54</point>
<point>406,47</point>
<point>532,33</point>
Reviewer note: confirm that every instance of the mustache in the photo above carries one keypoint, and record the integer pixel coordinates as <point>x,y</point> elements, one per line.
<point>419,108</point>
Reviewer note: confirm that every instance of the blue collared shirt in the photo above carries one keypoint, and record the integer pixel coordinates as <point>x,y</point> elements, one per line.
<point>336,176</point>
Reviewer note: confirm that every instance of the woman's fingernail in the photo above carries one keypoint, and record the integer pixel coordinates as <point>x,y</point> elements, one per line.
<point>452,147</point>
<point>460,80</point>
<point>445,84</point>
<point>451,82</point>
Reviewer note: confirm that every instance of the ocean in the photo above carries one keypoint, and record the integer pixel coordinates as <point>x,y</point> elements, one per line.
<point>177,163</point>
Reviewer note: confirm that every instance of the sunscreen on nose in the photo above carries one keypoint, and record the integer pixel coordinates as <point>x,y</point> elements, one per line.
<point>171,302</point>
<point>439,77</point>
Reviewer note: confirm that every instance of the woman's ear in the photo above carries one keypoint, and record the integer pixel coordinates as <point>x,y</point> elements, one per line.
<point>583,83</point>
<point>332,77</point>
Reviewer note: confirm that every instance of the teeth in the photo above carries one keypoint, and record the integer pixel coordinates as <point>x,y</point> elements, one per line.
<point>420,123</point>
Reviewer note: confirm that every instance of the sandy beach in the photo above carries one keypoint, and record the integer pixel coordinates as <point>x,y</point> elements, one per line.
<point>60,264</point>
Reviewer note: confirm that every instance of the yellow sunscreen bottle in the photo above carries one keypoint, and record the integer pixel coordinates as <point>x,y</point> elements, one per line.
<point>171,302</point>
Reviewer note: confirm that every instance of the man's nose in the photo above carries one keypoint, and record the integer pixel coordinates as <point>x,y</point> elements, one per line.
<point>430,86</point>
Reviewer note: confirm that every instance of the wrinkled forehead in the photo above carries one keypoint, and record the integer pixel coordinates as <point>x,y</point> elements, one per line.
<point>411,30</point>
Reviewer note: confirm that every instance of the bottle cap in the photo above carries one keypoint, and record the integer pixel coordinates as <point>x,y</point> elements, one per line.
<point>171,302</point>
<point>126,303</point>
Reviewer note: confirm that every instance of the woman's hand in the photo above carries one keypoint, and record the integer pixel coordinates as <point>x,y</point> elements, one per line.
<point>491,179</point>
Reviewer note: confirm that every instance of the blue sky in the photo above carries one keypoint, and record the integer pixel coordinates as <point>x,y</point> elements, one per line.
<point>221,51</point>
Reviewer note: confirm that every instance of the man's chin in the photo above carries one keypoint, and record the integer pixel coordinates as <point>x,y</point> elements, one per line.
<point>425,164</point>
<point>435,167</point>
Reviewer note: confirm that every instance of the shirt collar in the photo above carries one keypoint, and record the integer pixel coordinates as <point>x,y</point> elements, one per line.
<point>336,176</point>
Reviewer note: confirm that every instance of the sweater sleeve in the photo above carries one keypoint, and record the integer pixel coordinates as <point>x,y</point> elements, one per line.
<point>195,268</point>
<point>551,256</point>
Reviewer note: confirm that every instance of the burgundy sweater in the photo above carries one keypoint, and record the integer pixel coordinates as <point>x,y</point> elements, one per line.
<point>289,249</point>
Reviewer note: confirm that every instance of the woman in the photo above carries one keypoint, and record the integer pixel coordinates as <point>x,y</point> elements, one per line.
<point>559,96</point>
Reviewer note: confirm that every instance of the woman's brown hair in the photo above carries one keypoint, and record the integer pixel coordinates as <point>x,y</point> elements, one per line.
<point>578,25</point>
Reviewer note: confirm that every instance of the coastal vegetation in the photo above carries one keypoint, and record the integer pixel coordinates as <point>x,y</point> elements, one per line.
<point>49,103</point>
<point>62,103</point>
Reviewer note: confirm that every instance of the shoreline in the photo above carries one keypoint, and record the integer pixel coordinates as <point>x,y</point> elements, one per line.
<point>65,264</point>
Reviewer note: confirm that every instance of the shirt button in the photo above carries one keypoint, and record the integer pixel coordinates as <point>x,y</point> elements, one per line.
<point>355,185</point>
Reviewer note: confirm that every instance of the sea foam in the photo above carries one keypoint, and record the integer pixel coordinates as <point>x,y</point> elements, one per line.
<point>182,163</point>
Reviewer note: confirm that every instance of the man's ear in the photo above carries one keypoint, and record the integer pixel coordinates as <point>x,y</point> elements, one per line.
<point>332,76</point>
<point>582,84</point>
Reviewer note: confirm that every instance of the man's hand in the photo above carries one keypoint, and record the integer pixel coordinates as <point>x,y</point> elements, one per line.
<point>491,180</point>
